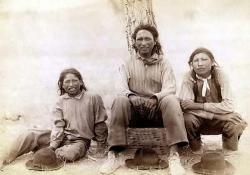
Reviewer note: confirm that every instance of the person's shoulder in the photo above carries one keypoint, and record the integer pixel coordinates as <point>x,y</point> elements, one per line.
<point>59,101</point>
<point>188,74</point>
<point>221,74</point>
<point>163,60</point>
<point>61,97</point>
<point>125,60</point>
<point>91,94</point>
<point>219,71</point>
<point>187,77</point>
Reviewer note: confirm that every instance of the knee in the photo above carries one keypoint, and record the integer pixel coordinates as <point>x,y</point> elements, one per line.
<point>27,135</point>
<point>232,128</point>
<point>171,101</point>
<point>70,157</point>
<point>67,155</point>
<point>190,121</point>
<point>121,101</point>
<point>72,152</point>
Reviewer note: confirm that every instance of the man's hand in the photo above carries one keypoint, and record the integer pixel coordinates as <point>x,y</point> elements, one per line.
<point>135,100</point>
<point>150,103</point>
<point>190,104</point>
<point>51,147</point>
<point>228,117</point>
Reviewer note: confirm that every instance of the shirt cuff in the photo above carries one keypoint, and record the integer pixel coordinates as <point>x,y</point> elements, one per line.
<point>54,144</point>
<point>158,96</point>
<point>130,93</point>
<point>209,115</point>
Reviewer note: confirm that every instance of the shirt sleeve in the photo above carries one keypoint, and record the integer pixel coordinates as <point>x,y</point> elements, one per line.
<point>201,114</point>
<point>100,111</point>
<point>101,130</point>
<point>57,133</point>
<point>101,133</point>
<point>168,81</point>
<point>226,105</point>
<point>186,91</point>
<point>124,73</point>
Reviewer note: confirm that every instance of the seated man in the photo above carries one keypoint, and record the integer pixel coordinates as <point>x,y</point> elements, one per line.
<point>79,116</point>
<point>148,87</point>
<point>207,103</point>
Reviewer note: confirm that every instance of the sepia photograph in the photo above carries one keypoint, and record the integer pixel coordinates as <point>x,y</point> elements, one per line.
<point>136,87</point>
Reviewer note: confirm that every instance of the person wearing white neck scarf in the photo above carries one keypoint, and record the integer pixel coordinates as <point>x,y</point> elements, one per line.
<point>209,113</point>
<point>205,86</point>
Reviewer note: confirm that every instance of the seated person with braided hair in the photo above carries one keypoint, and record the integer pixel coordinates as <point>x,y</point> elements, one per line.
<point>206,100</point>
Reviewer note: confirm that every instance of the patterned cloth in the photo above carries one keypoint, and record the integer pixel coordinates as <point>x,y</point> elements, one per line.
<point>148,80</point>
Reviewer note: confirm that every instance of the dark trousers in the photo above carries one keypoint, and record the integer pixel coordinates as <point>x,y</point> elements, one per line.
<point>196,126</point>
<point>122,117</point>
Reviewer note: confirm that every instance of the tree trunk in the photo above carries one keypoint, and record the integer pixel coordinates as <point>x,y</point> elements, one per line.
<point>137,12</point>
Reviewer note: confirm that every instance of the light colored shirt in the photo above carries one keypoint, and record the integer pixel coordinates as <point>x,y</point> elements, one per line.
<point>75,117</point>
<point>147,80</point>
<point>210,108</point>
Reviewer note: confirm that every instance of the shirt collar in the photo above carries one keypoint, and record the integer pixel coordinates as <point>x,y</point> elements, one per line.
<point>201,78</point>
<point>79,96</point>
<point>155,58</point>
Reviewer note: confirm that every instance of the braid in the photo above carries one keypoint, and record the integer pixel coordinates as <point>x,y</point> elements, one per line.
<point>214,75</point>
<point>195,87</point>
<point>214,71</point>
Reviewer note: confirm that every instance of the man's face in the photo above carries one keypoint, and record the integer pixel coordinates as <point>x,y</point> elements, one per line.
<point>202,65</point>
<point>72,85</point>
<point>144,42</point>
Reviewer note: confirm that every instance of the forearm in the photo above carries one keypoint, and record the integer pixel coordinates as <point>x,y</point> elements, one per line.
<point>201,113</point>
<point>224,107</point>
<point>196,109</point>
<point>198,106</point>
<point>57,133</point>
<point>57,136</point>
<point>101,133</point>
<point>190,105</point>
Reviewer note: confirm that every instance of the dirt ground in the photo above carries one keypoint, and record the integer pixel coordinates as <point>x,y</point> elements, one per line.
<point>10,129</point>
<point>39,40</point>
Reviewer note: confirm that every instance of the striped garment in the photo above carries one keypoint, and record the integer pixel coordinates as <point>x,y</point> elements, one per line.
<point>147,79</point>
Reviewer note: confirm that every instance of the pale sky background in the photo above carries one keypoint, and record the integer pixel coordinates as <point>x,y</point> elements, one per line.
<point>39,38</point>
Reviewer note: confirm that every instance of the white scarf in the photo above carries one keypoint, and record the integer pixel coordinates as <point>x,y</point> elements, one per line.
<point>205,84</point>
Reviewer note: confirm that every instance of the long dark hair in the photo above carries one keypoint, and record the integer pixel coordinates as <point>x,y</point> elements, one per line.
<point>202,50</point>
<point>214,70</point>
<point>70,71</point>
<point>153,31</point>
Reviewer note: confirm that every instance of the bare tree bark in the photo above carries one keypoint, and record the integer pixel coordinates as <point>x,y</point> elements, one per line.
<point>137,12</point>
